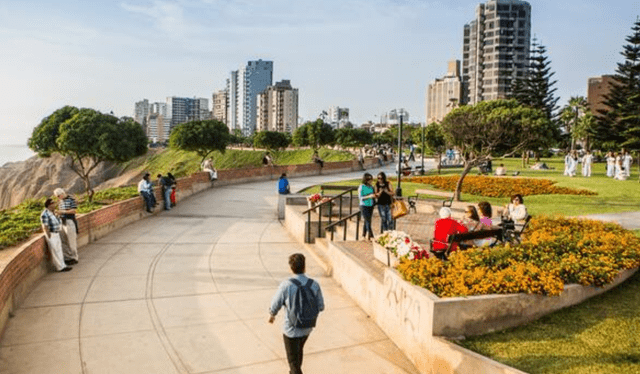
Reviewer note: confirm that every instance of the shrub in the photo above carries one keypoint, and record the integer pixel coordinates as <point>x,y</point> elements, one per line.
<point>499,186</point>
<point>557,251</point>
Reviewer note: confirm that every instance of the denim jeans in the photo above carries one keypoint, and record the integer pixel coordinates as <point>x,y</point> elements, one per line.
<point>386,222</point>
<point>367,213</point>
<point>294,348</point>
<point>148,199</point>
<point>167,198</point>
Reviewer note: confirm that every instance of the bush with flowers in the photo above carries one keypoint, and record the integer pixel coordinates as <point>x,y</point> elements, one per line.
<point>500,186</point>
<point>556,251</point>
<point>314,199</point>
<point>401,245</point>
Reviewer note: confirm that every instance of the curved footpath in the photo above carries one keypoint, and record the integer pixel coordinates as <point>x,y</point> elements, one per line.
<point>187,291</point>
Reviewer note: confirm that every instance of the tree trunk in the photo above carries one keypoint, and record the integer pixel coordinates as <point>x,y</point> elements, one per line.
<point>523,159</point>
<point>87,187</point>
<point>467,168</point>
<point>538,156</point>
<point>438,155</point>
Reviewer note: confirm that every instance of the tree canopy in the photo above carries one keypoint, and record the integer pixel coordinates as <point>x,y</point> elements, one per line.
<point>202,137</point>
<point>89,137</point>
<point>618,124</point>
<point>350,137</point>
<point>271,140</point>
<point>314,134</point>
<point>491,126</point>
<point>434,139</point>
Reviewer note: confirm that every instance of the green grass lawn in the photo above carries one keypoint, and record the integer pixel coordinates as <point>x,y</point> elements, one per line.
<point>612,196</point>
<point>596,337</point>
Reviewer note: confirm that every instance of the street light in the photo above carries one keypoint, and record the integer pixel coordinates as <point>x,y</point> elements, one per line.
<point>399,189</point>
<point>422,149</point>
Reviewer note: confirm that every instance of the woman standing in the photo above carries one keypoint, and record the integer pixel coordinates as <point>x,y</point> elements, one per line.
<point>611,161</point>
<point>366,196</point>
<point>384,193</point>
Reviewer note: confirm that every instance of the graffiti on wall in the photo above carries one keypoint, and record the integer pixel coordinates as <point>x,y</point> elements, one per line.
<point>406,306</point>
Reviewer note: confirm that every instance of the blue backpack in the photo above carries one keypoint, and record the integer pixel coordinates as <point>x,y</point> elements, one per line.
<point>303,311</point>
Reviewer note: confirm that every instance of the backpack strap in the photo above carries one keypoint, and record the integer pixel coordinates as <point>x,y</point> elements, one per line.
<point>296,282</point>
<point>309,283</point>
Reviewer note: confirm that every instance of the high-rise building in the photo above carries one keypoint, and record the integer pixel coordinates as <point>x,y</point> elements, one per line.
<point>495,49</point>
<point>338,116</point>
<point>444,94</point>
<point>598,88</point>
<point>277,108</point>
<point>184,109</point>
<point>393,117</point>
<point>243,86</point>
<point>141,112</point>
<point>220,106</point>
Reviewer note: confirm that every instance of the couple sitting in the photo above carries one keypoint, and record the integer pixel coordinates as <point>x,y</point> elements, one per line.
<point>446,226</point>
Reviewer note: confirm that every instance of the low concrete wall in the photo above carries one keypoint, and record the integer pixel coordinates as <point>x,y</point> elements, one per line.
<point>405,313</point>
<point>475,315</point>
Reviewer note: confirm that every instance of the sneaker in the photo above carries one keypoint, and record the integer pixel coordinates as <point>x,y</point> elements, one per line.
<point>71,262</point>
<point>68,268</point>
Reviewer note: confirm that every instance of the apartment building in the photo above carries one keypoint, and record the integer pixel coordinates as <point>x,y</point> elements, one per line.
<point>444,94</point>
<point>277,108</point>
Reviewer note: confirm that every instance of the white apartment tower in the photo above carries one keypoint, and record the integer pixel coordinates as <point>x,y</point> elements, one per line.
<point>220,106</point>
<point>338,116</point>
<point>444,94</point>
<point>277,108</point>
<point>141,112</point>
<point>495,49</point>
<point>243,87</point>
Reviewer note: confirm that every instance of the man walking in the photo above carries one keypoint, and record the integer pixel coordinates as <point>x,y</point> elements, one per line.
<point>67,207</point>
<point>51,228</point>
<point>145,188</point>
<point>298,309</point>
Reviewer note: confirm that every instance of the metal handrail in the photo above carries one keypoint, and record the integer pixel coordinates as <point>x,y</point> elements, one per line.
<point>329,201</point>
<point>345,219</point>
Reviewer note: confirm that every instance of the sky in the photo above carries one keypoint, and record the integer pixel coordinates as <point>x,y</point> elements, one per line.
<point>370,56</point>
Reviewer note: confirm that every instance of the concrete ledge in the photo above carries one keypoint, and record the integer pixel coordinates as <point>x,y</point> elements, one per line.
<point>476,315</point>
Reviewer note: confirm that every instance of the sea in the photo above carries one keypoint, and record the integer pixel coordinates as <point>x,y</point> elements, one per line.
<point>14,152</point>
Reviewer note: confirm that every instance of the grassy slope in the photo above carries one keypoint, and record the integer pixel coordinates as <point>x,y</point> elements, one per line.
<point>181,163</point>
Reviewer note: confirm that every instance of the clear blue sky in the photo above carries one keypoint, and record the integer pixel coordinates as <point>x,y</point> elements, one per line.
<point>367,55</point>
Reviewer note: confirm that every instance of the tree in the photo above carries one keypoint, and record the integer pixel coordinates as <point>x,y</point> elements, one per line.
<point>271,140</point>
<point>489,126</point>
<point>89,138</point>
<point>350,137</point>
<point>313,134</point>
<point>385,138</point>
<point>434,139</point>
<point>535,89</point>
<point>201,137</point>
<point>618,123</point>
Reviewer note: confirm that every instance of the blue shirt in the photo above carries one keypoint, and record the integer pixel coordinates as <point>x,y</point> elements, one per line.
<point>283,298</point>
<point>365,190</point>
<point>283,185</point>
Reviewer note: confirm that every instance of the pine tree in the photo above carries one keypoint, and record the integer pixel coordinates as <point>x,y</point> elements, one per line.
<point>619,123</point>
<point>536,89</point>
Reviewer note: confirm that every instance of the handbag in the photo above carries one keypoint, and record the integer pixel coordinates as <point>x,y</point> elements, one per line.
<point>399,209</point>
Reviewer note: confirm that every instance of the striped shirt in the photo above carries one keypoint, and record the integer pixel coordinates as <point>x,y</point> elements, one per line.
<point>68,203</point>
<point>49,219</point>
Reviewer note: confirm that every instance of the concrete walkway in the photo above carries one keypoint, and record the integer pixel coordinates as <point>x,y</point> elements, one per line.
<point>187,291</point>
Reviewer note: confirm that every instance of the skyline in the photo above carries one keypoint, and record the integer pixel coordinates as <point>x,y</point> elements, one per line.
<point>368,56</point>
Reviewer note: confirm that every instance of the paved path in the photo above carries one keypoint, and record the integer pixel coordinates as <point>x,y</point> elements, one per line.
<point>629,220</point>
<point>187,291</point>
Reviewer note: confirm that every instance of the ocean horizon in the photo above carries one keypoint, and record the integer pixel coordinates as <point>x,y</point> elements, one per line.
<point>14,152</point>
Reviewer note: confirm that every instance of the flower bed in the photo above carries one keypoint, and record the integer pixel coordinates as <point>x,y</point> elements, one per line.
<point>556,251</point>
<point>500,186</point>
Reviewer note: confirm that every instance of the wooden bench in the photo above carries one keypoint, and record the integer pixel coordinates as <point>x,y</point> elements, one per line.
<point>413,199</point>
<point>514,234</point>
<point>461,237</point>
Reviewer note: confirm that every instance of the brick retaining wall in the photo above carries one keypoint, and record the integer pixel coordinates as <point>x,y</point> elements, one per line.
<point>22,266</point>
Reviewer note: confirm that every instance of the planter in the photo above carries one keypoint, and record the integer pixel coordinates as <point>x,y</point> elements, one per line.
<point>381,254</point>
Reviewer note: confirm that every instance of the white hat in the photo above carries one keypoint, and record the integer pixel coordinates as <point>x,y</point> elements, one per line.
<point>445,212</point>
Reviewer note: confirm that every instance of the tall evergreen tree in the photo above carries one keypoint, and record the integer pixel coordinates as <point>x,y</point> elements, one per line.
<point>536,89</point>
<point>618,124</point>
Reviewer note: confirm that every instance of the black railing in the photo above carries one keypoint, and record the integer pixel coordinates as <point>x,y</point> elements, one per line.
<point>344,221</point>
<point>346,190</point>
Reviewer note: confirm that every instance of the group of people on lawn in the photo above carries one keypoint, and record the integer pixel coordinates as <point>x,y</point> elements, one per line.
<point>618,164</point>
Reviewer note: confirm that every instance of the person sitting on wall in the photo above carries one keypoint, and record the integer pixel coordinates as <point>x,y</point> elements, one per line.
<point>444,227</point>
<point>283,185</point>
<point>316,158</point>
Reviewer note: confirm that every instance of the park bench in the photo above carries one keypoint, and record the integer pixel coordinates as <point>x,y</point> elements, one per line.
<point>461,237</point>
<point>514,233</point>
<point>413,199</point>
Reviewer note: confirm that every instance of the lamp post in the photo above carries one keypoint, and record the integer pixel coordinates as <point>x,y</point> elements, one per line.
<point>399,189</point>
<point>422,149</point>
